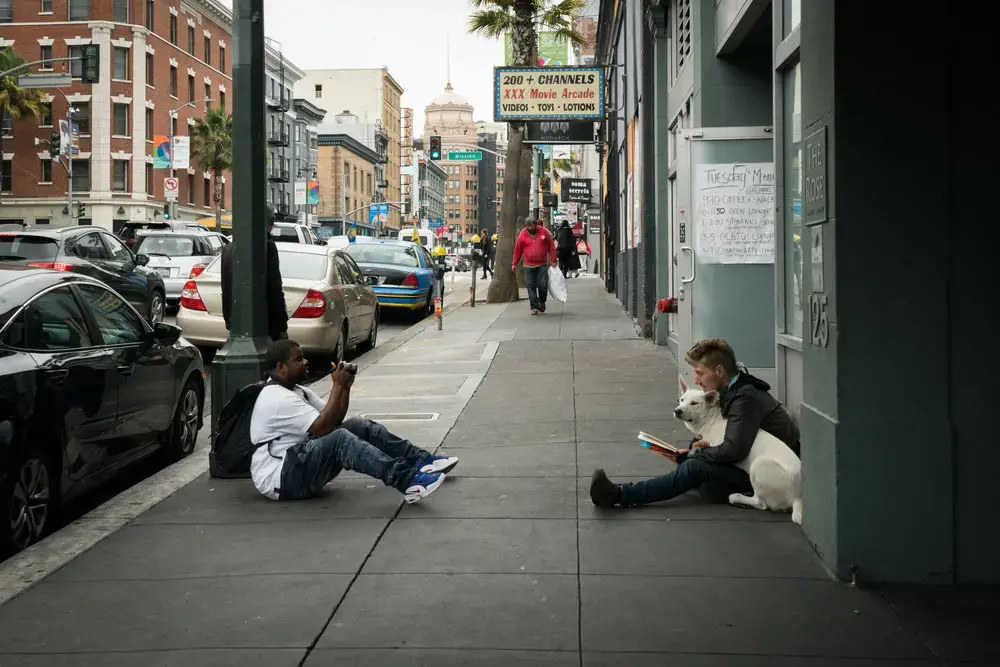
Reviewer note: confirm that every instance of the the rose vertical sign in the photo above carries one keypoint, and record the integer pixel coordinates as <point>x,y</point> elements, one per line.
<point>548,93</point>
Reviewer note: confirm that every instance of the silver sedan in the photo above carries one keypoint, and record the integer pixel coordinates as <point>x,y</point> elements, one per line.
<point>330,307</point>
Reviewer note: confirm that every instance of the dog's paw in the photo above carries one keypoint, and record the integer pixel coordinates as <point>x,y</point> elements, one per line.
<point>737,499</point>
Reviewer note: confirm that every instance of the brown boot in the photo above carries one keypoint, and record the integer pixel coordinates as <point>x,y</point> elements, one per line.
<point>604,492</point>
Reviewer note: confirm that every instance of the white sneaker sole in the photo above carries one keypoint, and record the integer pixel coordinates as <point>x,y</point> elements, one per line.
<point>415,494</point>
<point>432,467</point>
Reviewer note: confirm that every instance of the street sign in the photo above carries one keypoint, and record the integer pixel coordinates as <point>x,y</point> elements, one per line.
<point>576,190</point>
<point>44,80</point>
<point>170,188</point>
<point>465,156</point>
<point>559,132</point>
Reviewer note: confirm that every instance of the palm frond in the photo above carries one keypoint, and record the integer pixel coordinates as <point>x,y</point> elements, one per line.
<point>496,4</point>
<point>570,35</point>
<point>492,23</point>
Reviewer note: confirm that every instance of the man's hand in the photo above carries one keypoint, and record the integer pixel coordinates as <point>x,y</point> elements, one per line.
<point>676,456</point>
<point>513,267</point>
<point>340,377</point>
<point>700,444</point>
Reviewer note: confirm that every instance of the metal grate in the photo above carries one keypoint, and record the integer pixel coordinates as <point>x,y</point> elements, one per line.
<point>402,416</point>
<point>682,37</point>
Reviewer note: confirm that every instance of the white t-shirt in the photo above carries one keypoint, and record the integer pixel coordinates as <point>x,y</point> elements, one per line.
<point>282,417</point>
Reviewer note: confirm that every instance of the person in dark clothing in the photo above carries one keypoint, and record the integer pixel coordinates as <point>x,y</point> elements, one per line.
<point>566,249</point>
<point>748,408</point>
<point>486,252</point>
<point>277,316</point>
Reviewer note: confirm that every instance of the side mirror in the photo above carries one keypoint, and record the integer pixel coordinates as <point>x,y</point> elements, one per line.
<point>371,280</point>
<point>167,334</point>
<point>141,260</point>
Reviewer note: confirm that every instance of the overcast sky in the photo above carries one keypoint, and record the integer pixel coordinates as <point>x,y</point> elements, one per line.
<point>407,36</point>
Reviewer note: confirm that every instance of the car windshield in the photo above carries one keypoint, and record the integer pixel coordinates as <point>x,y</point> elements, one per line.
<point>286,234</point>
<point>130,231</point>
<point>302,266</point>
<point>383,253</point>
<point>14,247</point>
<point>166,245</point>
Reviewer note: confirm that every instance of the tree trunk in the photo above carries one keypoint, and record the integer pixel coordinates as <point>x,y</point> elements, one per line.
<point>503,287</point>
<point>218,195</point>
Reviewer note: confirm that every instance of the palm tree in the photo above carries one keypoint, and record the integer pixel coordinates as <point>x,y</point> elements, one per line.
<point>15,101</point>
<point>520,19</point>
<point>212,149</point>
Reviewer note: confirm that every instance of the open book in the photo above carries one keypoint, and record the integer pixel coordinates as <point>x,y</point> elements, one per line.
<point>656,445</point>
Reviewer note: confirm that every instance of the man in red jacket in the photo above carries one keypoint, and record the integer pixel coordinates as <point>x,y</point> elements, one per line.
<point>535,245</point>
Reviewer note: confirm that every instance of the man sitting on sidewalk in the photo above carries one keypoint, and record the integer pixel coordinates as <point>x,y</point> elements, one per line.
<point>303,443</point>
<point>539,251</point>
<point>747,406</point>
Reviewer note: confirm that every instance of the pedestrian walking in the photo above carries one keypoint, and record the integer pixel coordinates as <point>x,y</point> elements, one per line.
<point>583,251</point>
<point>536,246</point>
<point>277,316</point>
<point>486,253</point>
<point>566,249</point>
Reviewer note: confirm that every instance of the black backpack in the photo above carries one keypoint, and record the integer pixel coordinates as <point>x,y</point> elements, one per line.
<point>232,449</point>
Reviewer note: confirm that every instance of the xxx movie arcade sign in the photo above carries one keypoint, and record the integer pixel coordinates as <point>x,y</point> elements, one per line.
<point>548,93</point>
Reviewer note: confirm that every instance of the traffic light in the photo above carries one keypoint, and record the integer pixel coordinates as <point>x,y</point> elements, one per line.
<point>81,210</point>
<point>435,147</point>
<point>91,63</point>
<point>54,143</point>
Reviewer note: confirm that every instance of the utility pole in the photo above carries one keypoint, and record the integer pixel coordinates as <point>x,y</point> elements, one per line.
<point>241,360</point>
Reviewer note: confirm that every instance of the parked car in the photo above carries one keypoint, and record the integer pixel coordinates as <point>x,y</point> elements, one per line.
<point>330,307</point>
<point>400,272</point>
<point>290,232</point>
<point>91,251</point>
<point>87,387</point>
<point>130,230</point>
<point>179,256</point>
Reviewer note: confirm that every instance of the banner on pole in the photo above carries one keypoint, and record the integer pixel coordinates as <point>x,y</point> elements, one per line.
<point>300,193</point>
<point>182,152</point>
<point>161,152</point>
<point>312,193</point>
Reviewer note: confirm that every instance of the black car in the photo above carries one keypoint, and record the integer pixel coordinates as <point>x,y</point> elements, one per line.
<point>87,387</point>
<point>93,252</point>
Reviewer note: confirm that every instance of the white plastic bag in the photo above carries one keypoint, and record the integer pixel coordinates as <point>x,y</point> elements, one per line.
<point>557,285</point>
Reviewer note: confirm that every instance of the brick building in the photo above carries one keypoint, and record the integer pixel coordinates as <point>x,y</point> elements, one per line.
<point>348,177</point>
<point>156,56</point>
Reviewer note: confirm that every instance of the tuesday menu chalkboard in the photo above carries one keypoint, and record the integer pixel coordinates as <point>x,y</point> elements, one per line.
<point>734,213</point>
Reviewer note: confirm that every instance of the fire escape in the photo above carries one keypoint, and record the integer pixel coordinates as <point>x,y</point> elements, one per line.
<point>277,135</point>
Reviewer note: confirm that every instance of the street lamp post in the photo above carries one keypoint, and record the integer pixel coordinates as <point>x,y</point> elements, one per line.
<point>172,206</point>
<point>241,360</point>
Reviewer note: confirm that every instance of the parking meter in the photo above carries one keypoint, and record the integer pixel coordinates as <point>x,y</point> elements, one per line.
<point>438,254</point>
<point>477,259</point>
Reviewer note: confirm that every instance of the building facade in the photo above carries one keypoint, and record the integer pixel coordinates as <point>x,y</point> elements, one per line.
<point>373,96</point>
<point>431,178</point>
<point>752,163</point>
<point>156,58</point>
<point>347,176</point>
<point>305,153</point>
<point>279,82</point>
<point>449,116</point>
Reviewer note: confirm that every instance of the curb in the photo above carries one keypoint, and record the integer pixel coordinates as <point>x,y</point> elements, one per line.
<point>22,571</point>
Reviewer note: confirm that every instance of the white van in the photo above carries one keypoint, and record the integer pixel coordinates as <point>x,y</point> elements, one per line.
<point>427,237</point>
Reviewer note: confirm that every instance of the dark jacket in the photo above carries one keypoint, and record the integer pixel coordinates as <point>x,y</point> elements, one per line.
<point>566,241</point>
<point>749,408</point>
<point>277,317</point>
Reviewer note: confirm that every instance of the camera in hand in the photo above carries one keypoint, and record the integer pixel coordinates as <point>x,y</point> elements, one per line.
<point>351,368</point>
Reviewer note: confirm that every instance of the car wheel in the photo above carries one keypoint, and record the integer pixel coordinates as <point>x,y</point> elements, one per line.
<point>157,304</point>
<point>30,493</point>
<point>187,420</point>
<point>369,343</point>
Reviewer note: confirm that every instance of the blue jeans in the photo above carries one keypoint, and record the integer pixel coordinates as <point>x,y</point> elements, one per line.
<point>358,444</point>
<point>690,474</point>
<point>536,278</point>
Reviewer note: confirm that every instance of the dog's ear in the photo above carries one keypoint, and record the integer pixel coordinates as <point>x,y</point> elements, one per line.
<point>683,384</point>
<point>711,397</point>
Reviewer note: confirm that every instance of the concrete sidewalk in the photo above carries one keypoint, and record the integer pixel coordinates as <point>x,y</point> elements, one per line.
<point>507,564</point>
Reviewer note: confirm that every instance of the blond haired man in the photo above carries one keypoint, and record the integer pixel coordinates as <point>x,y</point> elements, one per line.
<point>748,408</point>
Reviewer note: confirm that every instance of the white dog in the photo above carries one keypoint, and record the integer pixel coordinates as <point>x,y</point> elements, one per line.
<point>775,471</point>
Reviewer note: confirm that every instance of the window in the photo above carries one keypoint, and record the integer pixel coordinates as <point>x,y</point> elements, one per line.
<point>45,171</point>
<point>46,7</point>
<point>119,122</point>
<point>206,191</point>
<point>45,114</point>
<point>7,177</point>
<point>190,192</point>
<point>150,24</point>
<point>208,96</point>
<point>792,118</point>
<point>173,81</point>
<point>173,30</point>
<point>43,221</point>
<point>150,70</point>
<point>81,175</point>
<point>53,321</point>
<point>173,125</point>
<point>76,66</point>
<point>121,11</point>
<point>119,64</point>
<point>792,15</point>
<point>89,246</point>
<point>319,90</point>
<point>120,175</point>
<point>116,322</point>
<point>149,125</point>
<point>45,54</point>
<point>191,39</point>
<point>190,88</point>
<point>79,10</point>
<point>149,178</point>
<point>119,253</point>
<point>81,116</point>
<point>222,58</point>
<point>208,50</point>
<point>222,99</point>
